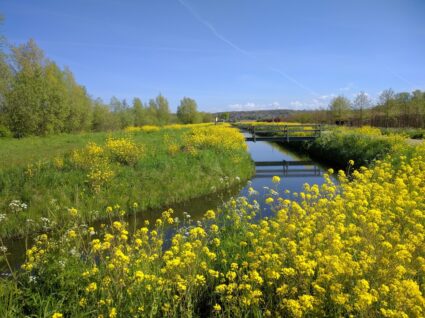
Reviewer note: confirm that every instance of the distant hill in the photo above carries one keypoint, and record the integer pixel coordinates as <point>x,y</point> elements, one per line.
<point>257,114</point>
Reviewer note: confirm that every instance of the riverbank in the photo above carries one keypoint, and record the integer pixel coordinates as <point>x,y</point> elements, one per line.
<point>354,247</point>
<point>340,145</point>
<point>137,170</point>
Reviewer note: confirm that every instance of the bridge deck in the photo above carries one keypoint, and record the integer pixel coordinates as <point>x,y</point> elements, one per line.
<point>286,168</point>
<point>285,133</point>
<point>284,163</point>
<point>280,138</point>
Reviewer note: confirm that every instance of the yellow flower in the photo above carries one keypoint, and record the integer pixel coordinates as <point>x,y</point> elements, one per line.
<point>214,228</point>
<point>210,214</point>
<point>73,212</point>
<point>139,276</point>
<point>217,308</point>
<point>351,162</point>
<point>200,280</point>
<point>113,312</point>
<point>276,179</point>
<point>269,200</point>
<point>72,234</point>
<point>57,315</point>
<point>91,287</point>
<point>83,302</point>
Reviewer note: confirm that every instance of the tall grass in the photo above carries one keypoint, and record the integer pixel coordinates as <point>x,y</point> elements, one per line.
<point>340,145</point>
<point>151,168</point>
<point>354,248</point>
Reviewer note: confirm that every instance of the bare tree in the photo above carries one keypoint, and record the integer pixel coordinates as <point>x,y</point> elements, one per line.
<point>361,102</point>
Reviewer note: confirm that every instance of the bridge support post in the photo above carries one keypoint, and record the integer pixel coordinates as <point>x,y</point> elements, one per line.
<point>286,131</point>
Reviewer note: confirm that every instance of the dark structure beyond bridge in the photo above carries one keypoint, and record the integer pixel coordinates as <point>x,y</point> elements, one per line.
<point>284,133</point>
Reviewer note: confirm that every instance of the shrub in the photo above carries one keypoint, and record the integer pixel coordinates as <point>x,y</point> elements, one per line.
<point>123,150</point>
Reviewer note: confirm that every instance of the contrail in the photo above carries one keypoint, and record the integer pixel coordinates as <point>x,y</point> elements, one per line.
<point>403,79</point>
<point>242,51</point>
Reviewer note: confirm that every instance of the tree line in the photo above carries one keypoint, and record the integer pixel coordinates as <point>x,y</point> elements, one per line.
<point>404,109</point>
<point>37,97</point>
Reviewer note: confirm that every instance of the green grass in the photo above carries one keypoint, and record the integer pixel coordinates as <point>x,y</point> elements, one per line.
<point>20,152</point>
<point>340,145</point>
<point>158,179</point>
<point>413,133</point>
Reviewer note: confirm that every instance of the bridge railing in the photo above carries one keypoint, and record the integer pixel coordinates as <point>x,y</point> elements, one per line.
<point>287,167</point>
<point>286,131</point>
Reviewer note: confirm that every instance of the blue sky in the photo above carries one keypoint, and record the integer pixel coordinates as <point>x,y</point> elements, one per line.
<point>229,54</point>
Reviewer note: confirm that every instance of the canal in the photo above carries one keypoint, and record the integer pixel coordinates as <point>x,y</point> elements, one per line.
<point>291,179</point>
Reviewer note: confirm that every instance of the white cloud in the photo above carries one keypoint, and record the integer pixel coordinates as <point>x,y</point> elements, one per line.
<point>347,87</point>
<point>296,104</point>
<point>253,106</point>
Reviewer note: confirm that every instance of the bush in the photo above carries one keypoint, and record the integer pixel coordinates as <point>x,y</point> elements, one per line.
<point>5,132</point>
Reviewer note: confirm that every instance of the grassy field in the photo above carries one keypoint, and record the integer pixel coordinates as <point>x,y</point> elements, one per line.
<point>41,178</point>
<point>351,248</point>
<point>338,145</point>
<point>412,133</point>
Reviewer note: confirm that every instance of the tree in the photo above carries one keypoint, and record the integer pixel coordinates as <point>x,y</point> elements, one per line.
<point>139,112</point>
<point>122,112</point>
<point>41,97</point>
<point>152,113</point>
<point>224,116</point>
<point>163,110</point>
<point>80,105</point>
<point>5,77</point>
<point>402,106</point>
<point>418,107</point>
<point>187,112</point>
<point>387,103</point>
<point>361,102</point>
<point>206,117</point>
<point>340,108</point>
<point>27,96</point>
<point>103,118</point>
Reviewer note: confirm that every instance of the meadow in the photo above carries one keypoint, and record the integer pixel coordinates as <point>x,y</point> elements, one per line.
<point>41,178</point>
<point>338,145</point>
<point>349,248</point>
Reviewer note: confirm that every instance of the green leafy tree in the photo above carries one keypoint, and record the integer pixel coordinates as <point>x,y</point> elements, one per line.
<point>418,107</point>
<point>187,112</point>
<point>224,116</point>
<point>152,113</point>
<point>80,105</point>
<point>122,112</point>
<point>340,108</point>
<point>103,118</point>
<point>41,98</point>
<point>206,117</point>
<point>163,110</point>
<point>27,96</point>
<point>139,112</point>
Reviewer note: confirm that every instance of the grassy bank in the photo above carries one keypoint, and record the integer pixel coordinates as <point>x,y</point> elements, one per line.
<point>353,248</point>
<point>41,178</point>
<point>413,133</point>
<point>339,145</point>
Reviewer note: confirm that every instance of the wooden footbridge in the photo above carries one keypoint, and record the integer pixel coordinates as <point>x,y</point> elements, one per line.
<point>284,133</point>
<point>288,168</point>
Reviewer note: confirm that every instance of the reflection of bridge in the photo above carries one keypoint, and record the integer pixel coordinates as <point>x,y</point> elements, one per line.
<point>287,169</point>
<point>285,133</point>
